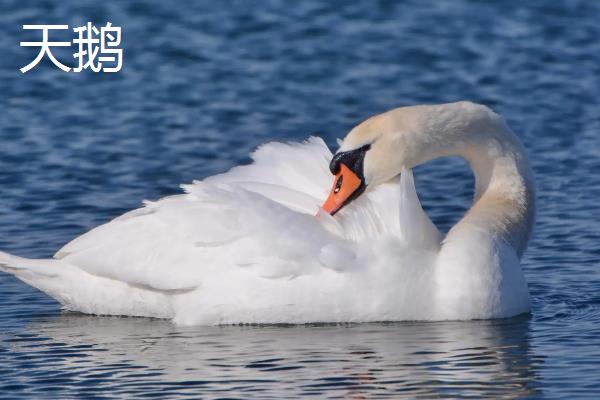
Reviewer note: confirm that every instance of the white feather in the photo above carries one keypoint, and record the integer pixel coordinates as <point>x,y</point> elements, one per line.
<point>253,245</point>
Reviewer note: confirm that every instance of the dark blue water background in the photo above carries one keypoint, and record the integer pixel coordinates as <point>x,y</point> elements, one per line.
<point>205,83</point>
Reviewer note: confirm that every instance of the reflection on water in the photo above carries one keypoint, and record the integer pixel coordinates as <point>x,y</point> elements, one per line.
<point>74,354</point>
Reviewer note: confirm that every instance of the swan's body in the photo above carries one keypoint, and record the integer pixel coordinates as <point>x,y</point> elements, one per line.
<point>245,246</point>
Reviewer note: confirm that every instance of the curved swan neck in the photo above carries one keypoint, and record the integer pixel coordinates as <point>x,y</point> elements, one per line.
<point>410,136</point>
<point>504,193</point>
<point>504,200</point>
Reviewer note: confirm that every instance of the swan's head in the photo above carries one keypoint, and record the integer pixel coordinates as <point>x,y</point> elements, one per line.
<point>372,153</point>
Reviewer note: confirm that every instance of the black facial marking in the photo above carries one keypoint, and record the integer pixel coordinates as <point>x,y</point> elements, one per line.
<point>353,159</point>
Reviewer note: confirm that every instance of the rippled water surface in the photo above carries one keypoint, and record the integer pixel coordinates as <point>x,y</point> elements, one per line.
<point>204,84</point>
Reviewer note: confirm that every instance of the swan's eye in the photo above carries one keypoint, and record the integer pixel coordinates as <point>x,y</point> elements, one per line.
<point>338,184</point>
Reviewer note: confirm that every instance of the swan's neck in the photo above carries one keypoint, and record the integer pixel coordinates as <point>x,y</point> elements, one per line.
<point>504,202</point>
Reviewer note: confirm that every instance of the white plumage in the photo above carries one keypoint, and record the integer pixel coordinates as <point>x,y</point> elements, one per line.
<point>246,246</point>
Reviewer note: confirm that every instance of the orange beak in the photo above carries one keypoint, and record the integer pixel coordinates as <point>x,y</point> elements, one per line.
<point>346,184</point>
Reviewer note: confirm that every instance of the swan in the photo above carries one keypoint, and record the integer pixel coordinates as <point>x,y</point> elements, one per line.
<point>276,242</point>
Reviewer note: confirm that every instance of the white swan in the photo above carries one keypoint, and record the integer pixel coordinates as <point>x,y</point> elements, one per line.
<point>245,246</point>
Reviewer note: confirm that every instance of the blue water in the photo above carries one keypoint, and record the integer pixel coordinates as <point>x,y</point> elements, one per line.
<point>204,84</point>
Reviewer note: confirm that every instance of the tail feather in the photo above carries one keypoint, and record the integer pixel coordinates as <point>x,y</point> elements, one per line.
<point>25,267</point>
<point>78,290</point>
<point>41,274</point>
